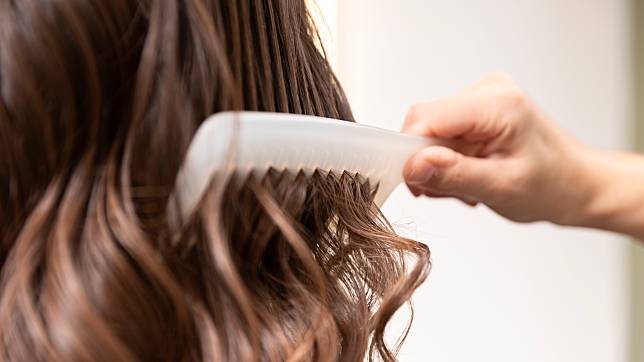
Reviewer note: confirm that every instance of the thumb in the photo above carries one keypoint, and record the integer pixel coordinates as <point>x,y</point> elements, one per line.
<point>444,171</point>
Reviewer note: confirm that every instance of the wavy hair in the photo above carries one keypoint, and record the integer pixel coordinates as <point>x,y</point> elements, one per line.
<point>98,103</point>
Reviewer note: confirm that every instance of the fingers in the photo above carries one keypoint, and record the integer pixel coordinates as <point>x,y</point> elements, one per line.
<point>440,171</point>
<point>472,115</point>
<point>480,132</point>
<point>444,118</point>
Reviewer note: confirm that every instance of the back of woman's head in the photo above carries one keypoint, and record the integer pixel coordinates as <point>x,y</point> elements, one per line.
<point>98,103</point>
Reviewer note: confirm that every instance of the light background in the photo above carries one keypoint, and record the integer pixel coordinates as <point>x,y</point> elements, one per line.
<point>500,291</point>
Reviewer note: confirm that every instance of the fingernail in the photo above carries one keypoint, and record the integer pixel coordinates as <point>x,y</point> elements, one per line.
<point>427,164</point>
<point>421,173</point>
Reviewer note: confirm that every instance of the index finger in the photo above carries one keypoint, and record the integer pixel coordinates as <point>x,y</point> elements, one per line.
<point>466,116</point>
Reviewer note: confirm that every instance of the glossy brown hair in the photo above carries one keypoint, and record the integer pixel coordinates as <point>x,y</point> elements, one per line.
<point>98,103</point>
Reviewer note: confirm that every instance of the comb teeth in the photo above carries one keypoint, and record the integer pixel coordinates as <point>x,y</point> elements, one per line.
<point>254,141</point>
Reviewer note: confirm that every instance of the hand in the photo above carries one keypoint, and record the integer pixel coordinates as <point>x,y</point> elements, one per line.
<point>503,152</point>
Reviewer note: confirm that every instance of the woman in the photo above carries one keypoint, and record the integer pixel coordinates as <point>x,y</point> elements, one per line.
<point>98,102</point>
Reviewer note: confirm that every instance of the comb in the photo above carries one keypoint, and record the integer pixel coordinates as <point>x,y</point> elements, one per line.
<point>262,141</point>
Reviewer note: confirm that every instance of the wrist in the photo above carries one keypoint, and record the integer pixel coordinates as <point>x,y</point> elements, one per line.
<point>594,206</point>
<point>614,197</point>
<point>584,202</point>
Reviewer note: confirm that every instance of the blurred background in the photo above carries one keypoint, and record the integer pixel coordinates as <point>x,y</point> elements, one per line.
<point>500,291</point>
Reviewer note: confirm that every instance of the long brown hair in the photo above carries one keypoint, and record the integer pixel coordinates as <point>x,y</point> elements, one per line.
<point>98,103</point>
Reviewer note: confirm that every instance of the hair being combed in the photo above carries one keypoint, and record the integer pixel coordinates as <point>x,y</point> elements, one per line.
<point>98,103</point>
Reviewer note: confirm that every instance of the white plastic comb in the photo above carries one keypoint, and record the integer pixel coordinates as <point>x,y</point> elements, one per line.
<point>293,142</point>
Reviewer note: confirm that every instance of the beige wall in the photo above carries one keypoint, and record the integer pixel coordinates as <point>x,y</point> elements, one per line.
<point>500,291</point>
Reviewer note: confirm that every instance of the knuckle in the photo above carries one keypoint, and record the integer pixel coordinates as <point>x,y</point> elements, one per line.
<point>414,112</point>
<point>516,94</point>
<point>457,177</point>
<point>415,115</point>
<point>514,97</point>
<point>499,77</point>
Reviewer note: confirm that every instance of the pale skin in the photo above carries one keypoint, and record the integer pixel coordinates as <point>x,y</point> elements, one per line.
<point>506,153</point>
